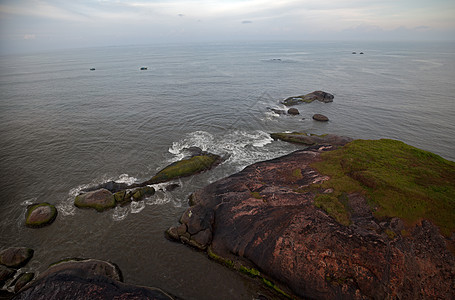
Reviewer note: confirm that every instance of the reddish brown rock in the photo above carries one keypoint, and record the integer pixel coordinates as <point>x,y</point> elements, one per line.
<point>16,257</point>
<point>264,217</point>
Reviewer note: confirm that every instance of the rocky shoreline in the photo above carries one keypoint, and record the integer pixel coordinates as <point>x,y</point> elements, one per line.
<point>310,224</point>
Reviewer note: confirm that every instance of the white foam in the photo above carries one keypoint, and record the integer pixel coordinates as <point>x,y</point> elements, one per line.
<point>137,206</point>
<point>125,178</point>
<point>120,213</point>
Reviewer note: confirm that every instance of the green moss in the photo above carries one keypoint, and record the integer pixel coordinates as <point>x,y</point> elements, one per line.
<point>297,173</point>
<point>185,167</point>
<point>44,222</point>
<point>256,195</point>
<point>390,234</point>
<point>399,180</point>
<point>333,207</point>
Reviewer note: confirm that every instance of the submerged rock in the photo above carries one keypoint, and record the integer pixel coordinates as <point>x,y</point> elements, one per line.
<point>39,215</point>
<point>319,117</point>
<point>16,257</point>
<point>308,98</point>
<point>100,200</point>
<point>311,139</point>
<point>86,279</point>
<point>268,224</point>
<point>5,274</point>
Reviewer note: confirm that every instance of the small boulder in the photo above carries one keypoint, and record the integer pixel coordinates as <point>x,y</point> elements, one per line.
<point>16,257</point>
<point>308,98</point>
<point>100,200</point>
<point>319,117</point>
<point>39,215</point>
<point>293,111</point>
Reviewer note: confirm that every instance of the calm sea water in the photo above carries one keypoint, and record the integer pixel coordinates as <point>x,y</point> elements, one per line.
<point>63,128</point>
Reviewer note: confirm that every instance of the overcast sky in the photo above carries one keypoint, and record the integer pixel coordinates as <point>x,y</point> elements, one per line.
<point>27,25</point>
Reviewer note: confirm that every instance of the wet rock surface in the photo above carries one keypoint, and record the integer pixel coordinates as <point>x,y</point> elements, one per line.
<point>100,200</point>
<point>40,215</point>
<point>264,217</point>
<point>86,279</point>
<point>319,117</point>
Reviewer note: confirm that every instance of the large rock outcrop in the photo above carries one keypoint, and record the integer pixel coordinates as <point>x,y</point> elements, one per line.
<point>264,220</point>
<point>86,279</point>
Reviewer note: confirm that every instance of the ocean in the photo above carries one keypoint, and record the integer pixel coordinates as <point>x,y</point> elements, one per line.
<point>64,128</point>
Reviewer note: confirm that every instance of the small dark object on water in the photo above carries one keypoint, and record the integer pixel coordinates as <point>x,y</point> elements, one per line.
<point>361,53</point>
<point>92,69</point>
<point>143,68</point>
<point>354,52</point>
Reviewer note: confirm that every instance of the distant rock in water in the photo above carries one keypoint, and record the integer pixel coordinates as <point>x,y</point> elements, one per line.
<point>319,117</point>
<point>320,235</point>
<point>111,186</point>
<point>86,279</point>
<point>39,215</point>
<point>308,98</point>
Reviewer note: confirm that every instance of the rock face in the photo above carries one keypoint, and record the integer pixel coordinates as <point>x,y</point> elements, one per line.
<point>293,111</point>
<point>319,117</point>
<point>308,98</point>
<point>87,279</point>
<point>311,139</point>
<point>15,257</point>
<point>264,218</point>
<point>39,215</point>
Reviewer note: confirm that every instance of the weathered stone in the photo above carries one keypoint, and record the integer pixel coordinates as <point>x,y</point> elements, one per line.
<point>39,215</point>
<point>319,117</point>
<point>121,198</point>
<point>140,193</point>
<point>203,238</point>
<point>87,279</point>
<point>293,111</point>
<point>16,257</point>
<point>111,186</point>
<point>100,200</point>
<point>294,242</point>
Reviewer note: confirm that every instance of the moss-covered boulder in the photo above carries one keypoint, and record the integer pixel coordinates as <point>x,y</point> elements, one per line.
<point>100,200</point>
<point>39,215</point>
<point>308,98</point>
<point>311,139</point>
<point>16,257</point>
<point>185,167</point>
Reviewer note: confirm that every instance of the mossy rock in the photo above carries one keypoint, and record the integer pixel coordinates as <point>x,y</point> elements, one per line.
<point>16,257</point>
<point>22,280</point>
<point>39,215</point>
<point>397,179</point>
<point>185,167</point>
<point>100,200</point>
<point>140,193</point>
<point>311,139</point>
<point>122,198</point>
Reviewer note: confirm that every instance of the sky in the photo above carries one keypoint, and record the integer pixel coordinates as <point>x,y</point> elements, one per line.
<point>28,25</point>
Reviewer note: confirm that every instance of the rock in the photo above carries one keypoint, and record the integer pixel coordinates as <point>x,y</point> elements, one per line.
<point>311,139</point>
<point>16,257</point>
<point>111,186</point>
<point>293,111</point>
<point>140,193</point>
<point>5,274</point>
<point>308,98</point>
<point>22,280</point>
<point>39,215</point>
<point>86,279</point>
<point>319,117</point>
<point>267,220</point>
<point>277,111</point>
<point>100,200</point>
<point>185,167</point>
